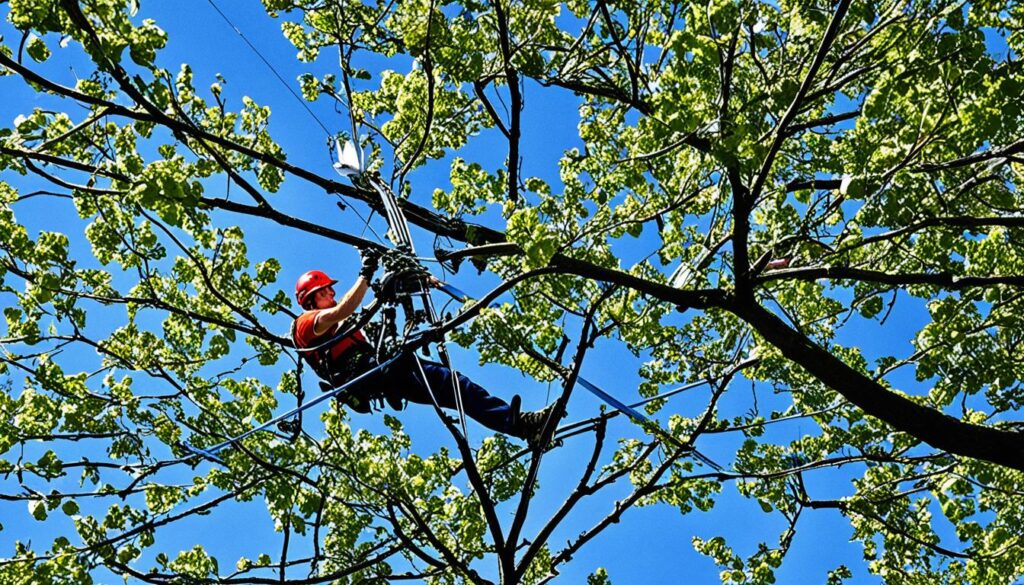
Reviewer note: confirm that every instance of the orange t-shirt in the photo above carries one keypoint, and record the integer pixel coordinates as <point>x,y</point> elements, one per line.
<point>304,336</point>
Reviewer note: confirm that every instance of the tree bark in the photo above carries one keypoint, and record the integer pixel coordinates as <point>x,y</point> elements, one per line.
<point>935,428</point>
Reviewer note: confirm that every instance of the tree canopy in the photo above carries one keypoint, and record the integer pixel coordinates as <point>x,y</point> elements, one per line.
<point>819,200</point>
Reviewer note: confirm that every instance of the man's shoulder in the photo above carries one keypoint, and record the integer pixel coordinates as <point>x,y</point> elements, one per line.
<point>306,316</point>
<point>303,327</point>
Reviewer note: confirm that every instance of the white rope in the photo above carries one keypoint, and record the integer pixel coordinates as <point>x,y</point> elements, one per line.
<point>433,397</point>
<point>402,237</point>
<point>442,351</point>
<point>399,234</point>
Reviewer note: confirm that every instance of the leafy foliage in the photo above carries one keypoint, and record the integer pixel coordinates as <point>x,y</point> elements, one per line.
<point>758,193</point>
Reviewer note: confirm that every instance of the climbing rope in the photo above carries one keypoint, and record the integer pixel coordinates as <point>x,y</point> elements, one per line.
<point>400,236</point>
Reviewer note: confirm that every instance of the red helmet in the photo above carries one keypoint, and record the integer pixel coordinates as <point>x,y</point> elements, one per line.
<point>311,282</point>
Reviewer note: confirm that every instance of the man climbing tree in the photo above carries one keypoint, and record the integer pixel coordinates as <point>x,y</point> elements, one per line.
<point>338,358</point>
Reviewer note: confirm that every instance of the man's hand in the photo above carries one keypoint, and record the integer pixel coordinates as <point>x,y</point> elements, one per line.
<point>370,261</point>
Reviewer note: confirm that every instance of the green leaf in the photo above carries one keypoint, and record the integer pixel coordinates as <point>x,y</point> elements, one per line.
<point>37,508</point>
<point>37,49</point>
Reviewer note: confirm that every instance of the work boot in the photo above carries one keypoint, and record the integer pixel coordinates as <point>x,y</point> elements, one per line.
<point>529,425</point>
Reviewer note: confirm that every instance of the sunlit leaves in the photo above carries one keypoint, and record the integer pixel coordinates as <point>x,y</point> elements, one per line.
<point>599,577</point>
<point>37,49</point>
<point>539,242</point>
<point>194,563</point>
<point>472,188</point>
<point>507,335</point>
<point>677,106</point>
<point>504,473</point>
<point>758,569</point>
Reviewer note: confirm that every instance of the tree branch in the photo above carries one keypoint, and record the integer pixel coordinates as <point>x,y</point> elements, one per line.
<point>902,413</point>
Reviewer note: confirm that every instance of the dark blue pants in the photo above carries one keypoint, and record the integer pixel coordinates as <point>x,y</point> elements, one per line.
<point>403,379</point>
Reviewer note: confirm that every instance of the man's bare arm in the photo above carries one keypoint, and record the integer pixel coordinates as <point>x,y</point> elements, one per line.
<point>327,319</point>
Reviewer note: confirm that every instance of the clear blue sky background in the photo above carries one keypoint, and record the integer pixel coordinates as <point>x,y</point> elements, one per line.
<point>650,545</point>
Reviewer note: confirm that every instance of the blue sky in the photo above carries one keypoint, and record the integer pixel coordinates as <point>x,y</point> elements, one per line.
<point>650,545</point>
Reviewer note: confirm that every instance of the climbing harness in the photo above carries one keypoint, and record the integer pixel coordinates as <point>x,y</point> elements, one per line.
<point>387,350</point>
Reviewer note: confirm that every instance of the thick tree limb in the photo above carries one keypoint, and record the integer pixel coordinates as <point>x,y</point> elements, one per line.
<point>902,413</point>
<point>991,154</point>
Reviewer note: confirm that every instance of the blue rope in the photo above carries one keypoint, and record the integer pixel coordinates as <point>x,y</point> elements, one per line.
<point>454,293</point>
<point>632,413</point>
<point>621,406</point>
<point>209,451</point>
